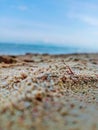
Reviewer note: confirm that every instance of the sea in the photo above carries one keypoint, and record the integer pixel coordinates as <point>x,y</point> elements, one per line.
<point>40,48</point>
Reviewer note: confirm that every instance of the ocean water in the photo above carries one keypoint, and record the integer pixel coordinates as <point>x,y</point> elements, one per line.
<point>15,49</point>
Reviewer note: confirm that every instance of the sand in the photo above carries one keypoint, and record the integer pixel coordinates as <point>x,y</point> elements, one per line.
<point>49,92</point>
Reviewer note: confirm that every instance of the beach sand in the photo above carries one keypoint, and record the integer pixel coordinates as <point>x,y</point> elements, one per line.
<point>49,92</point>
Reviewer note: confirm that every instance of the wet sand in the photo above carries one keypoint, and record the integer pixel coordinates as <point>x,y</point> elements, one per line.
<point>53,92</point>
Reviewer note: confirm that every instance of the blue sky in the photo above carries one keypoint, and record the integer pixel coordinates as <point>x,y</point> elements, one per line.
<point>73,22</point>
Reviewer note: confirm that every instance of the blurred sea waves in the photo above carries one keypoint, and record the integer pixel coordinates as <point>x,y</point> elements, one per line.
<point>16,49</point>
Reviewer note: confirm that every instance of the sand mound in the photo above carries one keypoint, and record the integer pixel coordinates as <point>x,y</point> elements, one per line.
<point>45,91</point>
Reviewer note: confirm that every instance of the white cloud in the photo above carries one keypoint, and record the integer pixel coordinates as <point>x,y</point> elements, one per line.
<point>22,7</point>
<point>84,11</point>
<point>90,20</point>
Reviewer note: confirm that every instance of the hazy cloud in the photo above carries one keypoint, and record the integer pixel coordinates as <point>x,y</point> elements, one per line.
<point>22,7</point>
<point>90,20</point>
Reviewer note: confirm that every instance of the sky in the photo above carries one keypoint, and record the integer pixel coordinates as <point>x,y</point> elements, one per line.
<point>72,22</point>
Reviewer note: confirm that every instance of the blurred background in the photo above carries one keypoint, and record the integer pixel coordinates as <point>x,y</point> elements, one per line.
<point>48,26</point>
